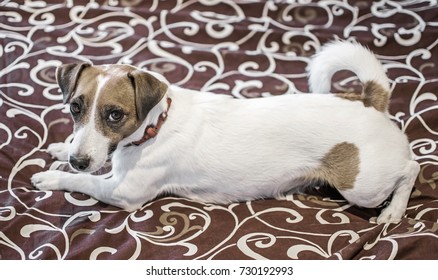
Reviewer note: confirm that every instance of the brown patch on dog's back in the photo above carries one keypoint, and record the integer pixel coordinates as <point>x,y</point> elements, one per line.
<point>376,96</point>
<point>339,167</point>
<point>350,96</point>
<point>373,95</point>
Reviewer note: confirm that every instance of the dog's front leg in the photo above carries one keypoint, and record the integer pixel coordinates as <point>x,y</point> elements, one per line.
<point>110,191</point>
<point>58,151</point>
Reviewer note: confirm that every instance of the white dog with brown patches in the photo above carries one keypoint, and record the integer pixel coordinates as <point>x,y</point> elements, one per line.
<point>213,148</point>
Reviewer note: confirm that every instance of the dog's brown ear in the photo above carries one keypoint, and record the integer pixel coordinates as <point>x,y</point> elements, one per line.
<point>67,76</point>
<point>148,91</point>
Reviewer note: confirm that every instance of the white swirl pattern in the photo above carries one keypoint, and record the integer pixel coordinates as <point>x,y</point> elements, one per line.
<point>244,48</point>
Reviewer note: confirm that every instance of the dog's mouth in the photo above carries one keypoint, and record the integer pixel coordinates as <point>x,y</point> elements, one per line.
<point>111,151</point>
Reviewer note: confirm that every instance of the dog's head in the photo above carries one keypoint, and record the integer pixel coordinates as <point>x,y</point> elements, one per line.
<point>107,103</point>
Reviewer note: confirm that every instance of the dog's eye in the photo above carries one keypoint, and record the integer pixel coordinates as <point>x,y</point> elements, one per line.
<point>115,115</point>
<point>75,108</point>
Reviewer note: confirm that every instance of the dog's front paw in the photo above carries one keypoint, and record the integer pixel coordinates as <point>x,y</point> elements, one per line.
<point>47,180</point>
<point>58,151</point>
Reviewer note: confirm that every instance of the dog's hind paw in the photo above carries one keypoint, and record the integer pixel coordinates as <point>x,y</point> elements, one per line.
<point>388,215</point>
<point>58,151</point>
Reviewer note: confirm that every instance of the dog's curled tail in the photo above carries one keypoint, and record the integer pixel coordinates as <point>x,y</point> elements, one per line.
<point>342,55</point>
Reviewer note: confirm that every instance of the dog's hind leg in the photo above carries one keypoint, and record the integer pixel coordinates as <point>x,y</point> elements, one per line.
<point>397,207</point>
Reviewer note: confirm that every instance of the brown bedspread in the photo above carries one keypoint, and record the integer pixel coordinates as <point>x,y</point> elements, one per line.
<point>247,49</point>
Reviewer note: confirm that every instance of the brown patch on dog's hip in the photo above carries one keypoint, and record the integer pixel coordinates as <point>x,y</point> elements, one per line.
<point>339,167</point>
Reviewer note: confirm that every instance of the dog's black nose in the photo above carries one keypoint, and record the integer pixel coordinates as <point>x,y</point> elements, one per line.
<point>79,163</point>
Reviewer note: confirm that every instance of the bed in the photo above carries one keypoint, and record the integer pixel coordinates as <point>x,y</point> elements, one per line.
<point>247,49</point>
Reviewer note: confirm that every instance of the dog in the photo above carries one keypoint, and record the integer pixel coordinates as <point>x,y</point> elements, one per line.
<point>217,149</point>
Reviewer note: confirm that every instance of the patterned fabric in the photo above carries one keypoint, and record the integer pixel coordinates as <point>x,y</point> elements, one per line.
<point>248,49</point>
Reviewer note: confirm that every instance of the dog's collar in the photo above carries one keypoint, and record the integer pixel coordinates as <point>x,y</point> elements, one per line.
<point>152,130</point>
